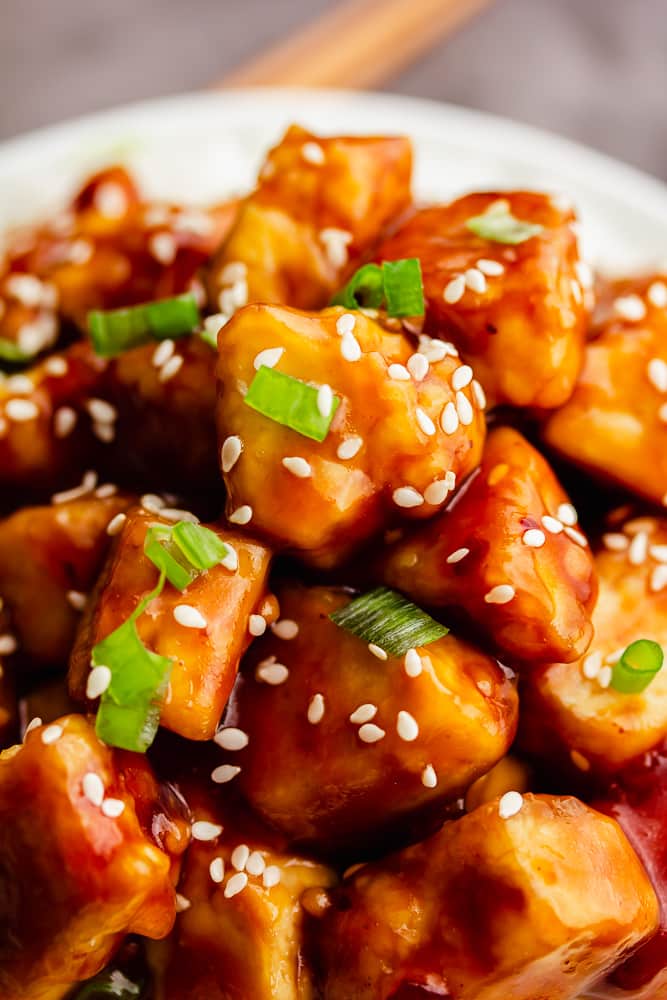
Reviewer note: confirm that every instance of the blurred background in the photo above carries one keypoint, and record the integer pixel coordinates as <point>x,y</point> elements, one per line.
<point>593,70</point>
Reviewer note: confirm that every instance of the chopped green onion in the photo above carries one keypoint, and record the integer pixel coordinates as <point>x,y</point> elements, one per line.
<point>201,547</point>
<point>129,712</point>
<point>386,619</point>
<point>118,330</point>
<point>637,667</point>
<point>500,226</point>
<point>111,983</point>
<point>164,553</point>
<point>209,338</point>
<point>397,284</point>
<point>10,351</point>
<point>289,402</point>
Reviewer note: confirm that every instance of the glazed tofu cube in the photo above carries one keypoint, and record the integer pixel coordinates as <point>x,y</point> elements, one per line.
<point>615,424</point>
<point>205,655</point>
<point>320,207</point>
<point>240,930</point>
<point>506,557</point>
<point>392,450</point>
<point>50,558</point>
<point>79,868</point>
<point>499,904</point>
<point>569,710</point>
<point>517,311</point>
<point>387,742</point>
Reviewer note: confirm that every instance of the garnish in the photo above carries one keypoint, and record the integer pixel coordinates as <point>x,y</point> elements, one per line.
<point>110,983</point>
<point>118,330</point>
<point>200,546</point>
<point>183,551</point>
<point>637,667</point>
<point>10,351</point>
<point>397,284</point>
<point>289,402</point>
<point>500,226</point>
<point>386,619</point>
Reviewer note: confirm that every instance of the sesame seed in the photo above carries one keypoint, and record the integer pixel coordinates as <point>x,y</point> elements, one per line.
<point>450,480</point>
<point>214,324</point>
<point>235,270</point>
<point>79,252</point>
<point>418,366</point>
<point>204,831</point>
<point>236,884</point>
<point>88,484</point>
<point>370,733</point>
<point>407,496</point>
<point>615,541</point>
<point>657,374</point>
<point>534,538</point>
<point>242,515</point>
<point>55,366</point>
<point>412,663</point>
<point>162,353</point>
<point>325,400</point>
<point>575,536</point>
<point>231,738</point>
<point>313,153</point>
<point>299,467</point>
<point>449,420</point>
<point>64,421</point>
<point>239,857</point>
<point>503,593</point>
<point>377,651</point>
<point>659,553</point>
<point>458,555</point>
<point>567,514</point>
<point>345,324</point>
<point>615,656</point>
<point>21,410</point>
<point>475,280</point>
<point>216,870</point>
<point>406,727</point>
<point>256,625</point>
<point>152,503</point>
<point>271,672</point>
<point>189,617</point>
<point>113,808</point>
<point>285,628</point>
<point>658,580</point>
<point>268,358</point>
<point>604,676</point>
<point>315,712</point>
<point>93,788</point>
<point>104,432</point>
<point>464,409</point>
<point>638,549</point>
<point>51,734</point>
<point>591,665</point>
<point>101,411</point>
<point>19,384</point>
<point>182,903</point>
<point>364,713</point>
<point>630,307</point>
<point>33,724</point>
<point>454,290</point>
<point>163,247</point>
<point>111,200</point>
<point>435,493</point>
<point>429,777</point>
<point>115,525</point>
<point>349,448</point>
<point>349,347</point>
<point>231,560</point>
<point>271,876</point>
<point>425,422</point>
<point>399,373</point>
<point>230,452</point>
<point>552,525</point>
<point>462,377</point>
<point>510,804</point>
<point>434,350</point>
<point>492,268</point>
<point>99,680</point>
<point>76,599</point>
<point>224,773</point>
<point>255,864</point>
<point>105,491</point>
<point>172,367</point>
<point>335,243</point>
<point>231,299</point>
<point>178,514</point>
<point>193,221</point>
<point>25,288</point>
<point>657,294</point>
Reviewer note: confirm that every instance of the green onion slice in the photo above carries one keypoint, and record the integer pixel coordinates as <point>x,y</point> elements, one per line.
<point>209,338</point>
<point>129,712</point>
<point>110,983</point>
<point>397,284</point>
<point>164,553</point>
<point>10,351</point>
<point>500,226</point>
<point>118,330</point>
<point>199,545</point>
<point>637,667</point>
<point>388,620</point>
<point>289,402</point>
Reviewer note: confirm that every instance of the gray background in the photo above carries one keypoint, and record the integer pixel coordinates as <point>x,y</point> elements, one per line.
<point>595,70</point>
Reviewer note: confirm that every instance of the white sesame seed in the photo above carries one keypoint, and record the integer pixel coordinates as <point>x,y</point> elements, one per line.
<point>20,410</point>
<point>406,727</point>
<point>255,864</point>
<point>111,200</point>
<point>412,663</point>
<point>152,503</point>
<point>454,290</point>
<point>461,377</point>
<point>313,153</point>
<point>233,298</point>
<point>271,876</point>
<point>349,448</point>
<point>659,553</point>
<point>224,773</point>
<point>475,280</point>
<point>450,480</point>
<point>567,514</point>
<point>172,367</point>
<point>99,680</point>
<point>316,707</point>
<point>425,422</point>
<point>464,409</point>
<point>364,713</point>
<point>657,374</point>
<point>239,857</point>
<point>51,734</point>
<point>101,411</point>
<point>407,496</point>
<point>113,808</point>
<point>104,432</point>
<point>377,651</point>
<point>479,394</point>
<point>458,555</point>
<point>576,536</point>
<point>658,580</point>
<point>182,903</point>
<point>335,243</point>
<point>231,738</point>
<point>615,656</point>
<point>25,288</point>
<point>552,525</point>
<point>230,452</point>
<point>33,724</point>
<point>510,804</point>
<point>93,788</point>
<point>105,491</point>
<point>214,324</point>
<point>503,593</point>
<point>76,599</point>
<point>216,870</point>
<point>638,549</point>
<point>285,628</point>
<point>492,268</point>
<point>657,294</point>
<point>163,247</point>
<point>193,221</point>
<point>55,366</point>
<point>399,373</point>
<point>115,525</point>
<point>299,467</point>
<point>349,347</point>
<point>178,514</point>
<point>268,358</point>
<point>80,251</point>
<point>429,777</point>
<point>433,350</point>
<point>256,625</point>
<point>189,617</point>
<point>630,307</point>
<point>271,672</point>
<point>325,400</point>
<point>615,541</point>
<point>591,665</point>
<point>162,353</point>
<point>449,420</point>
<point>64,421</point>
<point>604,676</point>
<point>345,324</point>
<point>418,366</point>
<point>204,831</point>
<point>370,733</point>
<point>231,560</point>
<point>236,884</point>
<point>88,484</point>
<point>435,493</point>
<point>534,538</point>
<point>242,515</point>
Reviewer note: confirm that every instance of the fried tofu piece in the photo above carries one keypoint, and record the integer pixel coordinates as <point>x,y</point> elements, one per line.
<point>206,659</point>
<point>539,904</point>
<point>240,932</point>
<point>501,558</point>
<point>568,709</point>
<point>320,206</point>
<point>517,313</point>
<point>386,454</point>
<point>50,558</point>
<point>76,874</point>
<point>615,424</point>
<point>386,742</point>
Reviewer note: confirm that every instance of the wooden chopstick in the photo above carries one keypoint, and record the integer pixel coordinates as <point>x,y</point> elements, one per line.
<point>358,44</point>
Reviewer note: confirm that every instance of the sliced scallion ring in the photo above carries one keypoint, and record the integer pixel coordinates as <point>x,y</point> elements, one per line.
<point>498,225</point>
<point>164,553</point>
<point>397,285</point>
<point>637,667</point>
<point>386,619</point>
